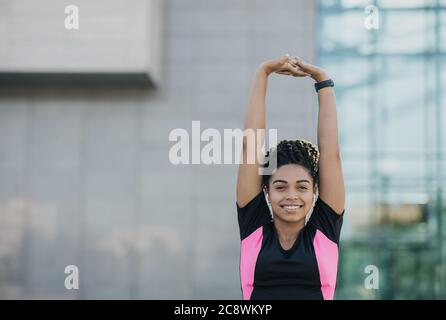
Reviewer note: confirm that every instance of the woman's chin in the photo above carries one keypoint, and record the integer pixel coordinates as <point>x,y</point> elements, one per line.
<point>291,218</point>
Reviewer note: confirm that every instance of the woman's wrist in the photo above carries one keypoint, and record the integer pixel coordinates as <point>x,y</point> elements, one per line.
<point>265,69</point>
<point>321,76</point>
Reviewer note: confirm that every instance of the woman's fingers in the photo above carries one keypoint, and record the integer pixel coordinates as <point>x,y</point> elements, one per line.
<point>296,70</point>
<point>293,60</point>
<point>299,73</point>
<point>285,59</point>
<point>292,70</point>
<point>288,73</point>
<point>290,67</point>
<point>306,67</point>
<point>294,73</point>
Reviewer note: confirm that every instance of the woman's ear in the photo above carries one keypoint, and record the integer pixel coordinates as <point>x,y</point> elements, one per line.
<point>316,189</point>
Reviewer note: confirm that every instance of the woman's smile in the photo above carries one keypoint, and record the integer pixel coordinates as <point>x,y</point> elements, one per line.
<point>292,208</point>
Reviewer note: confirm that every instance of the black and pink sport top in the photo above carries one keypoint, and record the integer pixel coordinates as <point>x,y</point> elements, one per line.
<point>307,270</point>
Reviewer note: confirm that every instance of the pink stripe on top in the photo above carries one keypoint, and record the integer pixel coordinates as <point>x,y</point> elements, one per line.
<point>249,253</point>
<point>327,260</point>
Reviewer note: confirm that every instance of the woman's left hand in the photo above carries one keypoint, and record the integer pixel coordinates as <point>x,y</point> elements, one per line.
<point>318,74</point>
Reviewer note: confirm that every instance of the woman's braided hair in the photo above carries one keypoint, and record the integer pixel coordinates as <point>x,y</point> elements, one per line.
<point>301,152</point>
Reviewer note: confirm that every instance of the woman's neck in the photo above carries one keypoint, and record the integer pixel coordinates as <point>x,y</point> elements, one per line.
<point>288,231</point>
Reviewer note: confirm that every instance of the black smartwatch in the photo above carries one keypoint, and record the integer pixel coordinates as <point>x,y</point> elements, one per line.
<point>326,83</point>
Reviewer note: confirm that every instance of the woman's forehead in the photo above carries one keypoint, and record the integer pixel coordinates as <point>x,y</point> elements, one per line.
<point>291,172</point>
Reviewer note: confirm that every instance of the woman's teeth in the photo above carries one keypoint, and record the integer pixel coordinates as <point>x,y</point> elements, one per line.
<point>292,207</point>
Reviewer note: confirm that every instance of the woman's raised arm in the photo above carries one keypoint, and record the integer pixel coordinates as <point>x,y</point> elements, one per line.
<point>331,181</point>
<point>249,181</point>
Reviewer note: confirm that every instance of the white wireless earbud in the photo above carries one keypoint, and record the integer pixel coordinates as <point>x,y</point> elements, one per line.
<point>268,203</point>
<point>310,212</point>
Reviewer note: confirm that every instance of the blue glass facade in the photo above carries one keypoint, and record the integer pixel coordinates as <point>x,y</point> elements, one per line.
<point>391,112</point>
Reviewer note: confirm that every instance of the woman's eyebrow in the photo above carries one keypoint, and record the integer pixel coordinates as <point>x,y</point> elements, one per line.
<point>283,181</point>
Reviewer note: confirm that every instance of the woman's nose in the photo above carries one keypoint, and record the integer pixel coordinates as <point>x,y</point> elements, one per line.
<point>292,195</point>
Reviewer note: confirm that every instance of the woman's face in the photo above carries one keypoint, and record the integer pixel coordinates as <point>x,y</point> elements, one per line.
<point>291,192</point>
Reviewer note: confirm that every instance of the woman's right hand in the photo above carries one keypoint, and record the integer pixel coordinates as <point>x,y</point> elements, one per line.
<point>284,65</point>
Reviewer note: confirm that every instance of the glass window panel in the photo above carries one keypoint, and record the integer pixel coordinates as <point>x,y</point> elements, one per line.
<point>345,70</point>
<point>359,209</point>
<point>357,171</point>
<point>400,119</point>
<point>403,167</point>
<point>327,3</point>
<point>403,4</point>
<point>411,267</point>
<point>406,32</point>
<point>355,3</point>
<point>400,101</point>
<point>443,30</point>
<point>353,259</point>
<point>443,211</point>
<point>353,100</point>
<point>355,135</point>
<point>441,132</point>
<point>344,31</point>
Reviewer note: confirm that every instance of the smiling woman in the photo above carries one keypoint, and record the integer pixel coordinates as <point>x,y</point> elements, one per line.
<point>290,232</point>
<point>297,163</point>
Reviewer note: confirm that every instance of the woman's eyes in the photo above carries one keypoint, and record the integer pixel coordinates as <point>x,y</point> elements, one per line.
<point>301,188</point>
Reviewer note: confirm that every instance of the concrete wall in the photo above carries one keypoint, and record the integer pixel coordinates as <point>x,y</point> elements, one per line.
<point>85,172</point>
<point>110,36</point>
